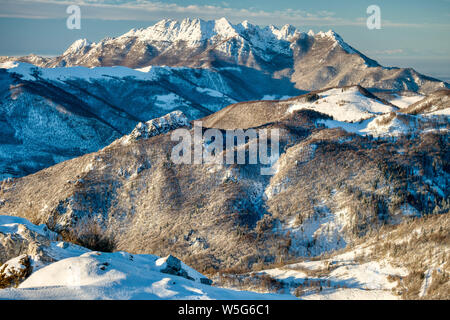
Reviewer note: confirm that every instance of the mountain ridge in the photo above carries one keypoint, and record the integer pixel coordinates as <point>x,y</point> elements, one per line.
<point>309,61</point>
<point>78,101</point>
<point>321,198</point>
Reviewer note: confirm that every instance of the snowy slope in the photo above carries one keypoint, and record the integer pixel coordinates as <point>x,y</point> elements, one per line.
<point>30,72</point>
<point>404,101</point>
<point>340,278</point>
<point>119,275</point>
<point>358,113</point>
<point>10,225</point>
<point>444,112</point>
<point>75,272</point>
<point>437,102</point>
<point>394,125</point>
<point>346,104</point>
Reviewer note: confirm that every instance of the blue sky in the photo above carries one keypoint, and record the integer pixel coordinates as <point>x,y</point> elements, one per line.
<point>414,33</point>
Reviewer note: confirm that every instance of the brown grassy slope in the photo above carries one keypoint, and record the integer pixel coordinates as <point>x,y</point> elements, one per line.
<point>422,246</point>
<point>249,114</point>
<point>220,216</point>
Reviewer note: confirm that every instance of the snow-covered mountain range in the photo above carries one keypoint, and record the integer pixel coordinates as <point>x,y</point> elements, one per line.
<point>95,93</point>
<point>361,181</point>
<point>308,61</point>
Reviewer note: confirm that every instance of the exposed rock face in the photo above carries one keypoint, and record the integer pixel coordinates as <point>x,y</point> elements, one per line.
<point>15,271</point>
<point>151,128</point>
<point>23,246</point>
<point>174,266</point>
<point>19,237</point>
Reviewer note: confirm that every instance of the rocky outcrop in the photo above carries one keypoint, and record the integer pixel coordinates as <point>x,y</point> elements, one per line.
<point>145,130</point>
<point>22,246</point>
<point>174,266</point>
<point>19,237</point>
<point>154,127</point>
<point>15,271</point>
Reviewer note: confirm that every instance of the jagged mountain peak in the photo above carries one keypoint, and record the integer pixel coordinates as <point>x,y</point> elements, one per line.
<point>191,30</point>
<point>195,30</point>
<point>78,45</point>
<point>309,61</point>
<point>332,35</point>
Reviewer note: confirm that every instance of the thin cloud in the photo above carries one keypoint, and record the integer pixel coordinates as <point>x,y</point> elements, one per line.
<point>389,52</point>
<point>144,10</point>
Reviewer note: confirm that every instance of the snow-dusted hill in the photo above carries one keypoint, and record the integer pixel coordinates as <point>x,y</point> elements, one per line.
<point>348,104</point>
<point>119,276</point>
<point>337,278</point>
<point>351,108</point>
<point>435,103</point>
<point>406,262</point>
<point>345,104</point>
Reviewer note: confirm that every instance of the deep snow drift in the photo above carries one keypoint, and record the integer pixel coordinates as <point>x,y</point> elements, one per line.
<point>78,273</point>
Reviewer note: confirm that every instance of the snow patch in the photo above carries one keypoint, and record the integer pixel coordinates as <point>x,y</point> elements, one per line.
<point>403,101</point>
<point>344,104</point>
<point>210,92</point>
<point>32,73</point>
<point>17,225</point>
